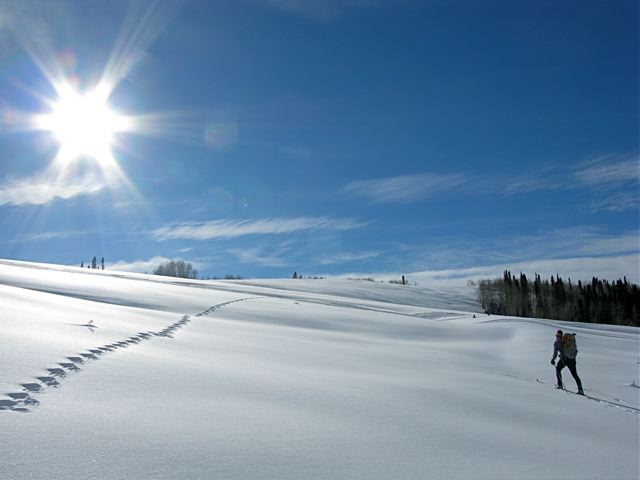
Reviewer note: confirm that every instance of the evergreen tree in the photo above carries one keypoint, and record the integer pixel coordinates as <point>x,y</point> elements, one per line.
<point>598,301</point>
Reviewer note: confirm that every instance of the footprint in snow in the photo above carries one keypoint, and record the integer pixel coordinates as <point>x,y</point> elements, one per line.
<point>7,404</point>
<point>70,366</point>
<point>18,396</point>
<point>32,387</point>
<point>13,406</point>
<point>49,381</point>
<point>24,398</point>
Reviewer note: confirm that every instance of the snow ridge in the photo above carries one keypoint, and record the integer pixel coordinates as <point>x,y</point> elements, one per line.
<point>23,401</point>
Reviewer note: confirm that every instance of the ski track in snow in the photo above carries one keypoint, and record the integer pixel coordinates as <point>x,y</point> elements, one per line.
<point>23,401</point>
<point>590,394</point>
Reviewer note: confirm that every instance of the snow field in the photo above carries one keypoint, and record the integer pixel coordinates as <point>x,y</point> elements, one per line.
<point>285,383</point>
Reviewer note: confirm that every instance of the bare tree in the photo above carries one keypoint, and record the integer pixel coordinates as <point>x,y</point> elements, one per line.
<point>176,268</point>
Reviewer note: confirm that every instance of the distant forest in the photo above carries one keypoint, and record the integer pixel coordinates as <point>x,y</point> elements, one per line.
<point>598,301</point>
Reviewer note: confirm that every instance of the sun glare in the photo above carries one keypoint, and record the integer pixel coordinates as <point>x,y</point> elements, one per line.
<point>84,125</point>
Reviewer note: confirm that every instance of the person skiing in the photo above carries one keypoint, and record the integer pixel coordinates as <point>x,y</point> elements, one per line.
<point>567,359</point>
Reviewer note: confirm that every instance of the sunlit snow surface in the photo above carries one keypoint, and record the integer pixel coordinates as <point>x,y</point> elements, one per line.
<point>115,376</point>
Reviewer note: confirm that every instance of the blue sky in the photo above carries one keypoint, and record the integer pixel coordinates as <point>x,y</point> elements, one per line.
<point>441,139</point>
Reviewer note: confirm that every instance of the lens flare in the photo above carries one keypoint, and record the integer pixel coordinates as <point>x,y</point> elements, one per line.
<point>84,125</point>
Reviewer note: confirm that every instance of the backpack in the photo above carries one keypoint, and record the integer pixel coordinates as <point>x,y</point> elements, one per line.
<point>569,346</point>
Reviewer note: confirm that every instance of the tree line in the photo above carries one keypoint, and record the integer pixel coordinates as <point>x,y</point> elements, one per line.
<point>598,301</point>
<point>182,269</point>
<point>176,268</point>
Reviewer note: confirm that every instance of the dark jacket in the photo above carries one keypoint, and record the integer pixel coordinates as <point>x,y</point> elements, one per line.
<point>557,349</point>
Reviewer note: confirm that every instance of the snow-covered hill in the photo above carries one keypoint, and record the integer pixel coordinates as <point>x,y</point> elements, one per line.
<point>112,376</point>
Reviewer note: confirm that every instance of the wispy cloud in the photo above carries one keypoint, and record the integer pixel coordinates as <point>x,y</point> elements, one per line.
<point>259,256</point>
<point>238,228</point>
<point>614,181</point>
<point>42,189</point>
<point>594,243</point>
<point>545,180</point>
<point>403,189</point>
<point>585,241</point>
<point>603,173</point>
<point>34,237</point>
<point>609,171</point>
<point>617,202</point>
<point>563,242</point>
<point>601,176</point>
<point>295,254</point>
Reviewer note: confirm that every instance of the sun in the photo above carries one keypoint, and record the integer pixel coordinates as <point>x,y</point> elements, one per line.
<point>84,125</point>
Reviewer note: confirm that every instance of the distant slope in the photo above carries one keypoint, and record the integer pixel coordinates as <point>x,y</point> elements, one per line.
<point>448,298</point>
<point>460,298</point>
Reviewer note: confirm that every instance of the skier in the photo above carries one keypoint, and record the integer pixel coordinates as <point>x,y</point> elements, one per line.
<point>567,359</point>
